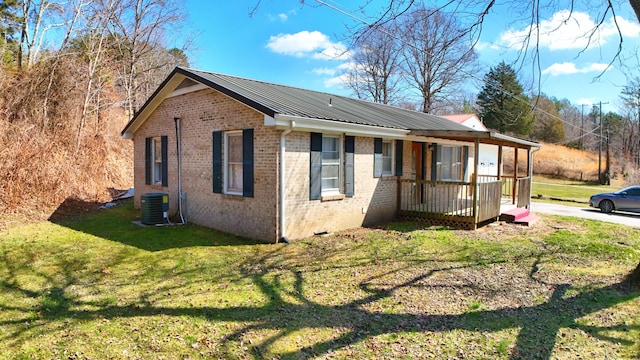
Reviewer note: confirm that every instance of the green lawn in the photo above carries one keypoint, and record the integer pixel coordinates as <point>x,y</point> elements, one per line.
<point>97,287</point>
<point>572,191</point>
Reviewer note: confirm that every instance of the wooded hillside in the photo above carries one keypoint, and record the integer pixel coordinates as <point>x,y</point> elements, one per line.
<point>71,75</point>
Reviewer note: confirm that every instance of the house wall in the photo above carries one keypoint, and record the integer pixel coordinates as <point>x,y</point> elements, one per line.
<point>203,112</point>
<point>374,201</point>
<point>488,160</point>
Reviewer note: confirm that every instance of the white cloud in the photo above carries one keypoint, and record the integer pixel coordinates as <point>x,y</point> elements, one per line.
<point>586,101</point>
<point>566,68</point>
<point>336,76</point>
<point>566,30</point>
<point>282,17</point>
<point>312,44</point>
<point>324,71</point>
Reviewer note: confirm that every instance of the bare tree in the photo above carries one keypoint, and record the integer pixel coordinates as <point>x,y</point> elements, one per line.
<point>437,55</point>
<point>37,17</point>
<point>631,129</point>
<point>139,27</point>
<point>376,70</point>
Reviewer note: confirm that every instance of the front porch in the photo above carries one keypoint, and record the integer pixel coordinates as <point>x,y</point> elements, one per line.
<point>464,205</point>
<point>475,198</point>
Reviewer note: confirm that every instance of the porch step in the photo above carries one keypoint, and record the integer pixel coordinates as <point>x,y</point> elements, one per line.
<point>527,220</point>
<point>518,216</point>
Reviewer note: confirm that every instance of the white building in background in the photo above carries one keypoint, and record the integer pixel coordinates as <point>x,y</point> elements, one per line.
<point>488,154</point>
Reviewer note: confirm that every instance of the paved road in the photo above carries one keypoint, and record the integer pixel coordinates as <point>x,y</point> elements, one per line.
<point>586,212</point>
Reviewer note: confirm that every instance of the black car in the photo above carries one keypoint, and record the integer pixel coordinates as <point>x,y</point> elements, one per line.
<point>627,199</point>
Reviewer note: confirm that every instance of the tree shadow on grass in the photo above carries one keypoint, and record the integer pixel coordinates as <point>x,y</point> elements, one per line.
<point>117,224</point>
<point>290,309</point>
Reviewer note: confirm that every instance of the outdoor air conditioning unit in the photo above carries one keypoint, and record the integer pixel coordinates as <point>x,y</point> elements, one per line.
<point>155,208</point>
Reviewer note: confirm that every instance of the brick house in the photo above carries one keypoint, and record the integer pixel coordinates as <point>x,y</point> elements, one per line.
<point>273,162</point>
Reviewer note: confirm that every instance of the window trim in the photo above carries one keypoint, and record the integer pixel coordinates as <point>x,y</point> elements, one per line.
<point>461,163</point>
<point>226,163</point>
<point>156,160</point>
<point>391,157</point>
<point>340,163</point>
<point>152,170</point>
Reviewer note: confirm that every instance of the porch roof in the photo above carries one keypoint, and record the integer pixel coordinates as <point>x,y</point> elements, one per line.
<point>484,137</point>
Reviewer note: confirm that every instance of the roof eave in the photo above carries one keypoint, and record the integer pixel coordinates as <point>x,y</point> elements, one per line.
<point>163,91</point>
<point>485,137</point>
<point>169,85</point>
<point>299,123</point>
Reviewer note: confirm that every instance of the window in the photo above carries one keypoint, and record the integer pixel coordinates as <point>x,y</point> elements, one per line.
<point>330,164</point>
<point>387,156</point>
<point>450,165</point>
<point>331,171</point>
<point>382,157</point>
<point>156,170</point>
<point>156,165</point>
<point>233,166</point>
<point>232,169</point>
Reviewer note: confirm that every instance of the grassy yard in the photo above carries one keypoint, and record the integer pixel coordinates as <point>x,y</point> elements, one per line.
<point>96,286</point>
<point>573,191</point>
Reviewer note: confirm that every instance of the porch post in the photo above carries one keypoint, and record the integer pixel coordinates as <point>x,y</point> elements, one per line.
<point>529,162</point>
<point>474,182</point>
<point>515,176</point>
<point>500,162</point>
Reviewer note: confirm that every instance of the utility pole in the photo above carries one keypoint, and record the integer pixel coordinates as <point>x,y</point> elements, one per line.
<point>600,145</point>
<point>582,127</point>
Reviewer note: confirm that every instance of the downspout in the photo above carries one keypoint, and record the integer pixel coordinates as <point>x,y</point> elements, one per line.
<point>283,187</point>
<point>178,121</point>
<point>531,173</point>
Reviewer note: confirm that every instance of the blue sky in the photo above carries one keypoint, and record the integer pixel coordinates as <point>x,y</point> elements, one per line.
<point>294,44</point>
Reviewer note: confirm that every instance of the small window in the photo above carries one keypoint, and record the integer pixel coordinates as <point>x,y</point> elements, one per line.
<point>157,160</point>
<point>330,164</point>
<point>387,158</point>
<point>233,155</point>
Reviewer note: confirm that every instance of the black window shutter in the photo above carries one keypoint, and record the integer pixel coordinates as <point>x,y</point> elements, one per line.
<point>217,162</point>
<point>434,162</point>
<point>349,150</point>
<point>247,162</point>
<point>377,157</point>
<point>315,176</point>
<point>148,143</point>
<point>399,148</point>
<point>164,145</point>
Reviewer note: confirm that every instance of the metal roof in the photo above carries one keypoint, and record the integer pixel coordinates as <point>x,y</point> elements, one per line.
<point>274,99</point>
<point>286,100</point>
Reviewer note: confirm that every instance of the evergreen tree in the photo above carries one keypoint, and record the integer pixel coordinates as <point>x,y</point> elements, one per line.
<point>9,27</point>
<point>502,104</point>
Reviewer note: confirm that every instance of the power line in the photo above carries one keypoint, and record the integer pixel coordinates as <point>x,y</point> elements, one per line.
<point>350,14</point>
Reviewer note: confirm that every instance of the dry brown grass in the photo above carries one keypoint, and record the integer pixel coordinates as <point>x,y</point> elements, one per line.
<point>562,162</point>
<point>47,153</point>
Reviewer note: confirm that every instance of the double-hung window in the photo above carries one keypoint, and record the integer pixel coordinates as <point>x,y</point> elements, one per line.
<point>382,157</point>
<point>156,155</point>
<point>233,171</point>
<point>387,158</point>
<point>331,161</point>
<point>233,164</point>
<point>156,163</point>
<point>331,166</point>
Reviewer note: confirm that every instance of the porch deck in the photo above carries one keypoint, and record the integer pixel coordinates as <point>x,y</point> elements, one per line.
<point>460,204</point>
